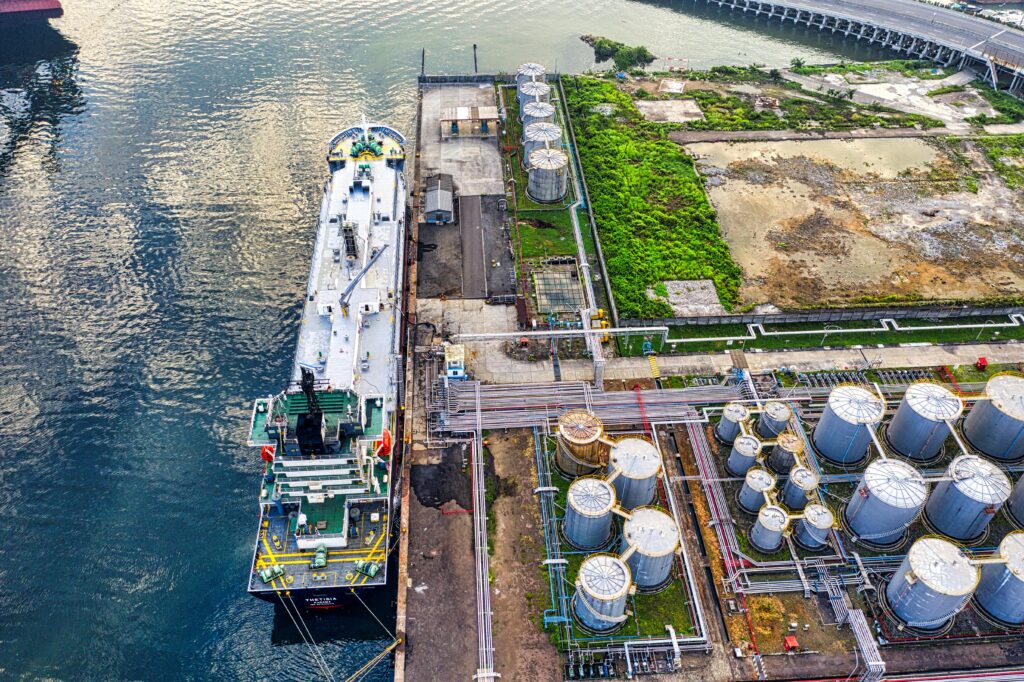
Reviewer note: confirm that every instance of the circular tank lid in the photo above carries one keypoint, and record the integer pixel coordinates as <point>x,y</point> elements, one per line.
<point>819,516</point>
<point>548,159</point>
<point>856,405</point>
<point>804,478</point>
<point>778,410</point>
<point>896,483</point>
<point>538,109</point>
<point>542,131</point>
<point>979,479</point>
<point>759,479</point>
<point>790,442</point>
<point>580,426</point>
<point>773,518</point>
<point>1006,391</point>
<point>747,445</point>
<point>605,576</point>
<point>591,496</point>
<point>530,69</point>
<point>941,565</point>
<point>535,88</point>
<point>651,531</point>
<point>635,457</point>
<point>735,412</point>
<point>1012,549</point>
<point>933,401</point>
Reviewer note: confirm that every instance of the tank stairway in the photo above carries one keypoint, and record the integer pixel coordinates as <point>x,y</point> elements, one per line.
<point>653,362</point>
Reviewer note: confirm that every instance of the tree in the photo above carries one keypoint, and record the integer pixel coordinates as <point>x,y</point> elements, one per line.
<point>797,63</point>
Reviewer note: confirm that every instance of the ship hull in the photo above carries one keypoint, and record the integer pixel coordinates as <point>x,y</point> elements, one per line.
<point>29,11</point>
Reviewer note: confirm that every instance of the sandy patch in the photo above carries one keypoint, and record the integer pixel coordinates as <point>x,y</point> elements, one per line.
<point>672,110</point>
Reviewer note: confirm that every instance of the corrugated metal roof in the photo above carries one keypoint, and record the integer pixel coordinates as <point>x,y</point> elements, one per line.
<point>439,195</point>
<point>979,479</point>
<point>942,566</point>
<point>470,113</point>
<point>933,401</point>
<point>856,405</point>
<point>896,483</point>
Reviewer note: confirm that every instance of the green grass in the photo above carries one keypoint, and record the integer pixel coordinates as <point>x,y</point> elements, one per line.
<point>1009,108</point>
<point>1006,153</point>
<point>552,235</point>
<point>918,68</point>
<point>946,89</point>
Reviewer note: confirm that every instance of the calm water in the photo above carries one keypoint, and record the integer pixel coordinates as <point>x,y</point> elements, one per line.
<point>159,167</point>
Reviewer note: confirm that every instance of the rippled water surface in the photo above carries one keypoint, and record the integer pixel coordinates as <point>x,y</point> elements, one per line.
<point>159,166</point>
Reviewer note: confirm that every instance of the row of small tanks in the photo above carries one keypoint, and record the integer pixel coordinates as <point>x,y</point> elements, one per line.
<point>631,467</point>
<point>543,158</point>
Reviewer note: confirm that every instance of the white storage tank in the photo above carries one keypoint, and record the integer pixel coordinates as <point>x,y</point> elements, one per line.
<point>801,483</point>
<point>533,91</point>
<point>932,584</point>
<point>588,513</point>
<point>1000,591</point>
<point>766,533</point>
<point>650,539</point>
<point>581,449</point>
<point>995,426</point>
<point>538,136</point>
<point>841,435</point>
<point>634,465</point>
<point>812,530</point>
<point>756,482</point>
<point>1015,505</point>
<point>537,112</point>
<point>887,500</point>
<point>774,418</point>
<point>786,453</point>
<point>962,506</point>
<point>530,71</point>
<point>728,429</point>
<point>548,176</point>
<point>919,427</point>
<point>603,585</point>
<point>743,455</point>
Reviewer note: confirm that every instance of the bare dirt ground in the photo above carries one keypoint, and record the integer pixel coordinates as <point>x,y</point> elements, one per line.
<point>834,221</point>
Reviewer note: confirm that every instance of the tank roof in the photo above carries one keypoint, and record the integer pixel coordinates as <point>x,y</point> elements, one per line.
<point>652,531</point>
<point>542,131</point>
<point>591,496</point>
<point>856,405</point>
<point>548,159</point>
<point>1006,391</point>
<point>580,426</point>
<point>933,401</point>
<point>635,457</point>
<point>819,516</point>
<point>530,69</point>
<point>979,479</point>
<point>538,109</point>
<point>776,409</point>
<point>942,566</point>
<point>896,483</point>
<point>773,518</point>
<point>747,445</point>
<point>759,479</point>
<point>790,442</point>
<point>605,576</point>
<point>535,88</point>
<point>804,478</point>
<point>735,411</point>
<point>1012,549</point>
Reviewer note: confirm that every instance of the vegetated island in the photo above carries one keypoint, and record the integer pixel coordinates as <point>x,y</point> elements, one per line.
<point>625,57</point>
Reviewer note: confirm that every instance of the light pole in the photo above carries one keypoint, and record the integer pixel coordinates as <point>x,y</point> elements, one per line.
<point>828,328</point>
<point>982,330</point>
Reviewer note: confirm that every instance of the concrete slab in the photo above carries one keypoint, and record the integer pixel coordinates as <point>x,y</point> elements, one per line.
<point>474,275</point>
<point>474,164</point>
<point>439,257</point>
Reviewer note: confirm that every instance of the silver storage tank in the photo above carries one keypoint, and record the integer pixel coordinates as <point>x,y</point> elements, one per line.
<point>581,449</point>
<point>743,454</point>
<point>766,533</point>
<point>887,500</point>
<point>538,136</point>
<point>962,506</point>
<point>918,429</point>
<point>841,435</point>
<point>812,530</point>
<point>638,464</point>
<point>530,91</point>
<point>934,581</point>
<point>728,429</point>
<point>1000,591</point>
<point>995,426</point>
<point>603,584</point>
<point>530,71</point>
<point>801,482</point>
<point>650,539</point>
<point>756,482</point>
<point>1016,503</point>
<point>588,512</point>
<point>537,112</point>
<point>548,176</point>
<point>786,453</point>
<point>774,418</point>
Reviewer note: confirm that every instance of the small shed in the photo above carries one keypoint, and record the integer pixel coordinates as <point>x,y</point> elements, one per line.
<point>438,202</point>
<point>469,122</point>
<point>789,643</point>
<point>455,361</point>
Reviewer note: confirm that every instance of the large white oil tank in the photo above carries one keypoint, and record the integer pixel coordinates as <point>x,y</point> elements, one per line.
<point>801,483</point>
<point>548,176</point>
<point>588,513</point>
<point>1000,591</point>
<point>633,466</point>
<point>932,584</point>
<point>756,482</point>
<point>733,415</point>
<point>995,425</point>
<point>537,112</point>
<point>919,427</point>
<point>766,533</point>
<point>650,539</point>
<point>603,585</point>
<point>963,505</point>
<point>530,71</point>
<point>743,454</point>
<point>533,91</point>
<point>786,453</point>
<point>812,530</point>
<point>581,449</point>
<point>774,418</point>
<point>1015,505</point>
<point>887,500</point>
<point>841,435</point>
<point>538,136</point>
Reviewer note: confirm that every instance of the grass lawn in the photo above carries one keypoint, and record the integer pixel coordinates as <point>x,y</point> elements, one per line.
<point>1006,152</point>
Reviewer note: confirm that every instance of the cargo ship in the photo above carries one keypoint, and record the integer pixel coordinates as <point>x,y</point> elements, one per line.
<point>29,11</point>
<point>326,440</point>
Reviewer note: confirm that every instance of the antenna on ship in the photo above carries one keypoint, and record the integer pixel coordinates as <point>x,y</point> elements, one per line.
<point>308,384</point>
